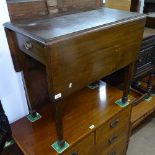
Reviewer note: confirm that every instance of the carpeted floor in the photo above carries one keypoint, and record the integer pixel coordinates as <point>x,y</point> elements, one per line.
<point>142,141</point>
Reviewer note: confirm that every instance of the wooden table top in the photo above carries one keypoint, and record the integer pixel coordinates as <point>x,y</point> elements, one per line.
<point>50,29</point>
<point>83,109</point>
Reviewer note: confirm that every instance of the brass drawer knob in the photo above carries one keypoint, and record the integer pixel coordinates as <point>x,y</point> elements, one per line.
<point>114,123</point>
<point>113,153</point>
<point>113,139</point>
<point>28,45</point>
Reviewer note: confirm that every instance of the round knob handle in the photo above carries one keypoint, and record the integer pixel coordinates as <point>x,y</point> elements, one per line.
<point>113,139</point>
<point>28,45</point>
<point>114,123</point>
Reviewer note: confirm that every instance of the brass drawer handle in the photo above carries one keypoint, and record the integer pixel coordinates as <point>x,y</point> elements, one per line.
<point>74,153</point>
<point>113,139</point>
<point>28,45</point>
<point>113,153</point>
<point>114,123</point>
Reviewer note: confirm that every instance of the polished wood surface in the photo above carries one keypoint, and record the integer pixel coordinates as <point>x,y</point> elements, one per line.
<point>119,123</point>
<point>141,111</point>
<point>118,148</point>
<point>58,28</point>
<point>95,107</point>
<point>87,57</point>
<point>83,147</point>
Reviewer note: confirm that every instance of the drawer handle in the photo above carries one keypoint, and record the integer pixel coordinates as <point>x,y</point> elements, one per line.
<point>113,139</point>
<point>74,153</point>
<point>28,45</point>
<point>113,153</point>
<point>114,123</point>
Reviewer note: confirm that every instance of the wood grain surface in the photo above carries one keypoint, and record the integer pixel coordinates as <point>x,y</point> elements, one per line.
<point>95,107</point>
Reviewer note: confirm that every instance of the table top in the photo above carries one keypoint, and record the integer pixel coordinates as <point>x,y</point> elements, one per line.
<point>50,29</point>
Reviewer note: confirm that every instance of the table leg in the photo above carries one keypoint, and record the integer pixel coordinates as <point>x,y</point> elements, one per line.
<point>129,70</point>
<point>60,145</point>
<point>59,122</point>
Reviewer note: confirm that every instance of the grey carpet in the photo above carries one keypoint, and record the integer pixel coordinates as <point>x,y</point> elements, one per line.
<point>142,142</point>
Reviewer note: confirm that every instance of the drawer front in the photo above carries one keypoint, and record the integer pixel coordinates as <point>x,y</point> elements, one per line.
<point>109,140</point>
<point>31,47</point>
<point>85,147</point>
<point>114,128</point>
<point>117,149</point>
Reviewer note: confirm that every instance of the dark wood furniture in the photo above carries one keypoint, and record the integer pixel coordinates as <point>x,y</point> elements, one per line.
<point>108,136</point>
<point>43,132</point>
<point>60,56</point>
<point>20,10</point>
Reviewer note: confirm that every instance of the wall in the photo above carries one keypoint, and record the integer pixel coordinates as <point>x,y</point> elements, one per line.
<point>12,93</point>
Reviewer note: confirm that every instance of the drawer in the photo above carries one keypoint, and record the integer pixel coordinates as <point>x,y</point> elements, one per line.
<point>109,140</point>
<point>31,47</point>
<point>84,147</point>
<point>119,148</point>
<point>114,128</point>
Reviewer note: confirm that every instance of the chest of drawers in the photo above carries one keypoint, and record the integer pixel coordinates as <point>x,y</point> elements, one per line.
<point>109,134</point>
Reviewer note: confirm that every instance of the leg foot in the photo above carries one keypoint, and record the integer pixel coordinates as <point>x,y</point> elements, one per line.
<point>59,149</point>
<point>121,103</point>
<point>33,117</point>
